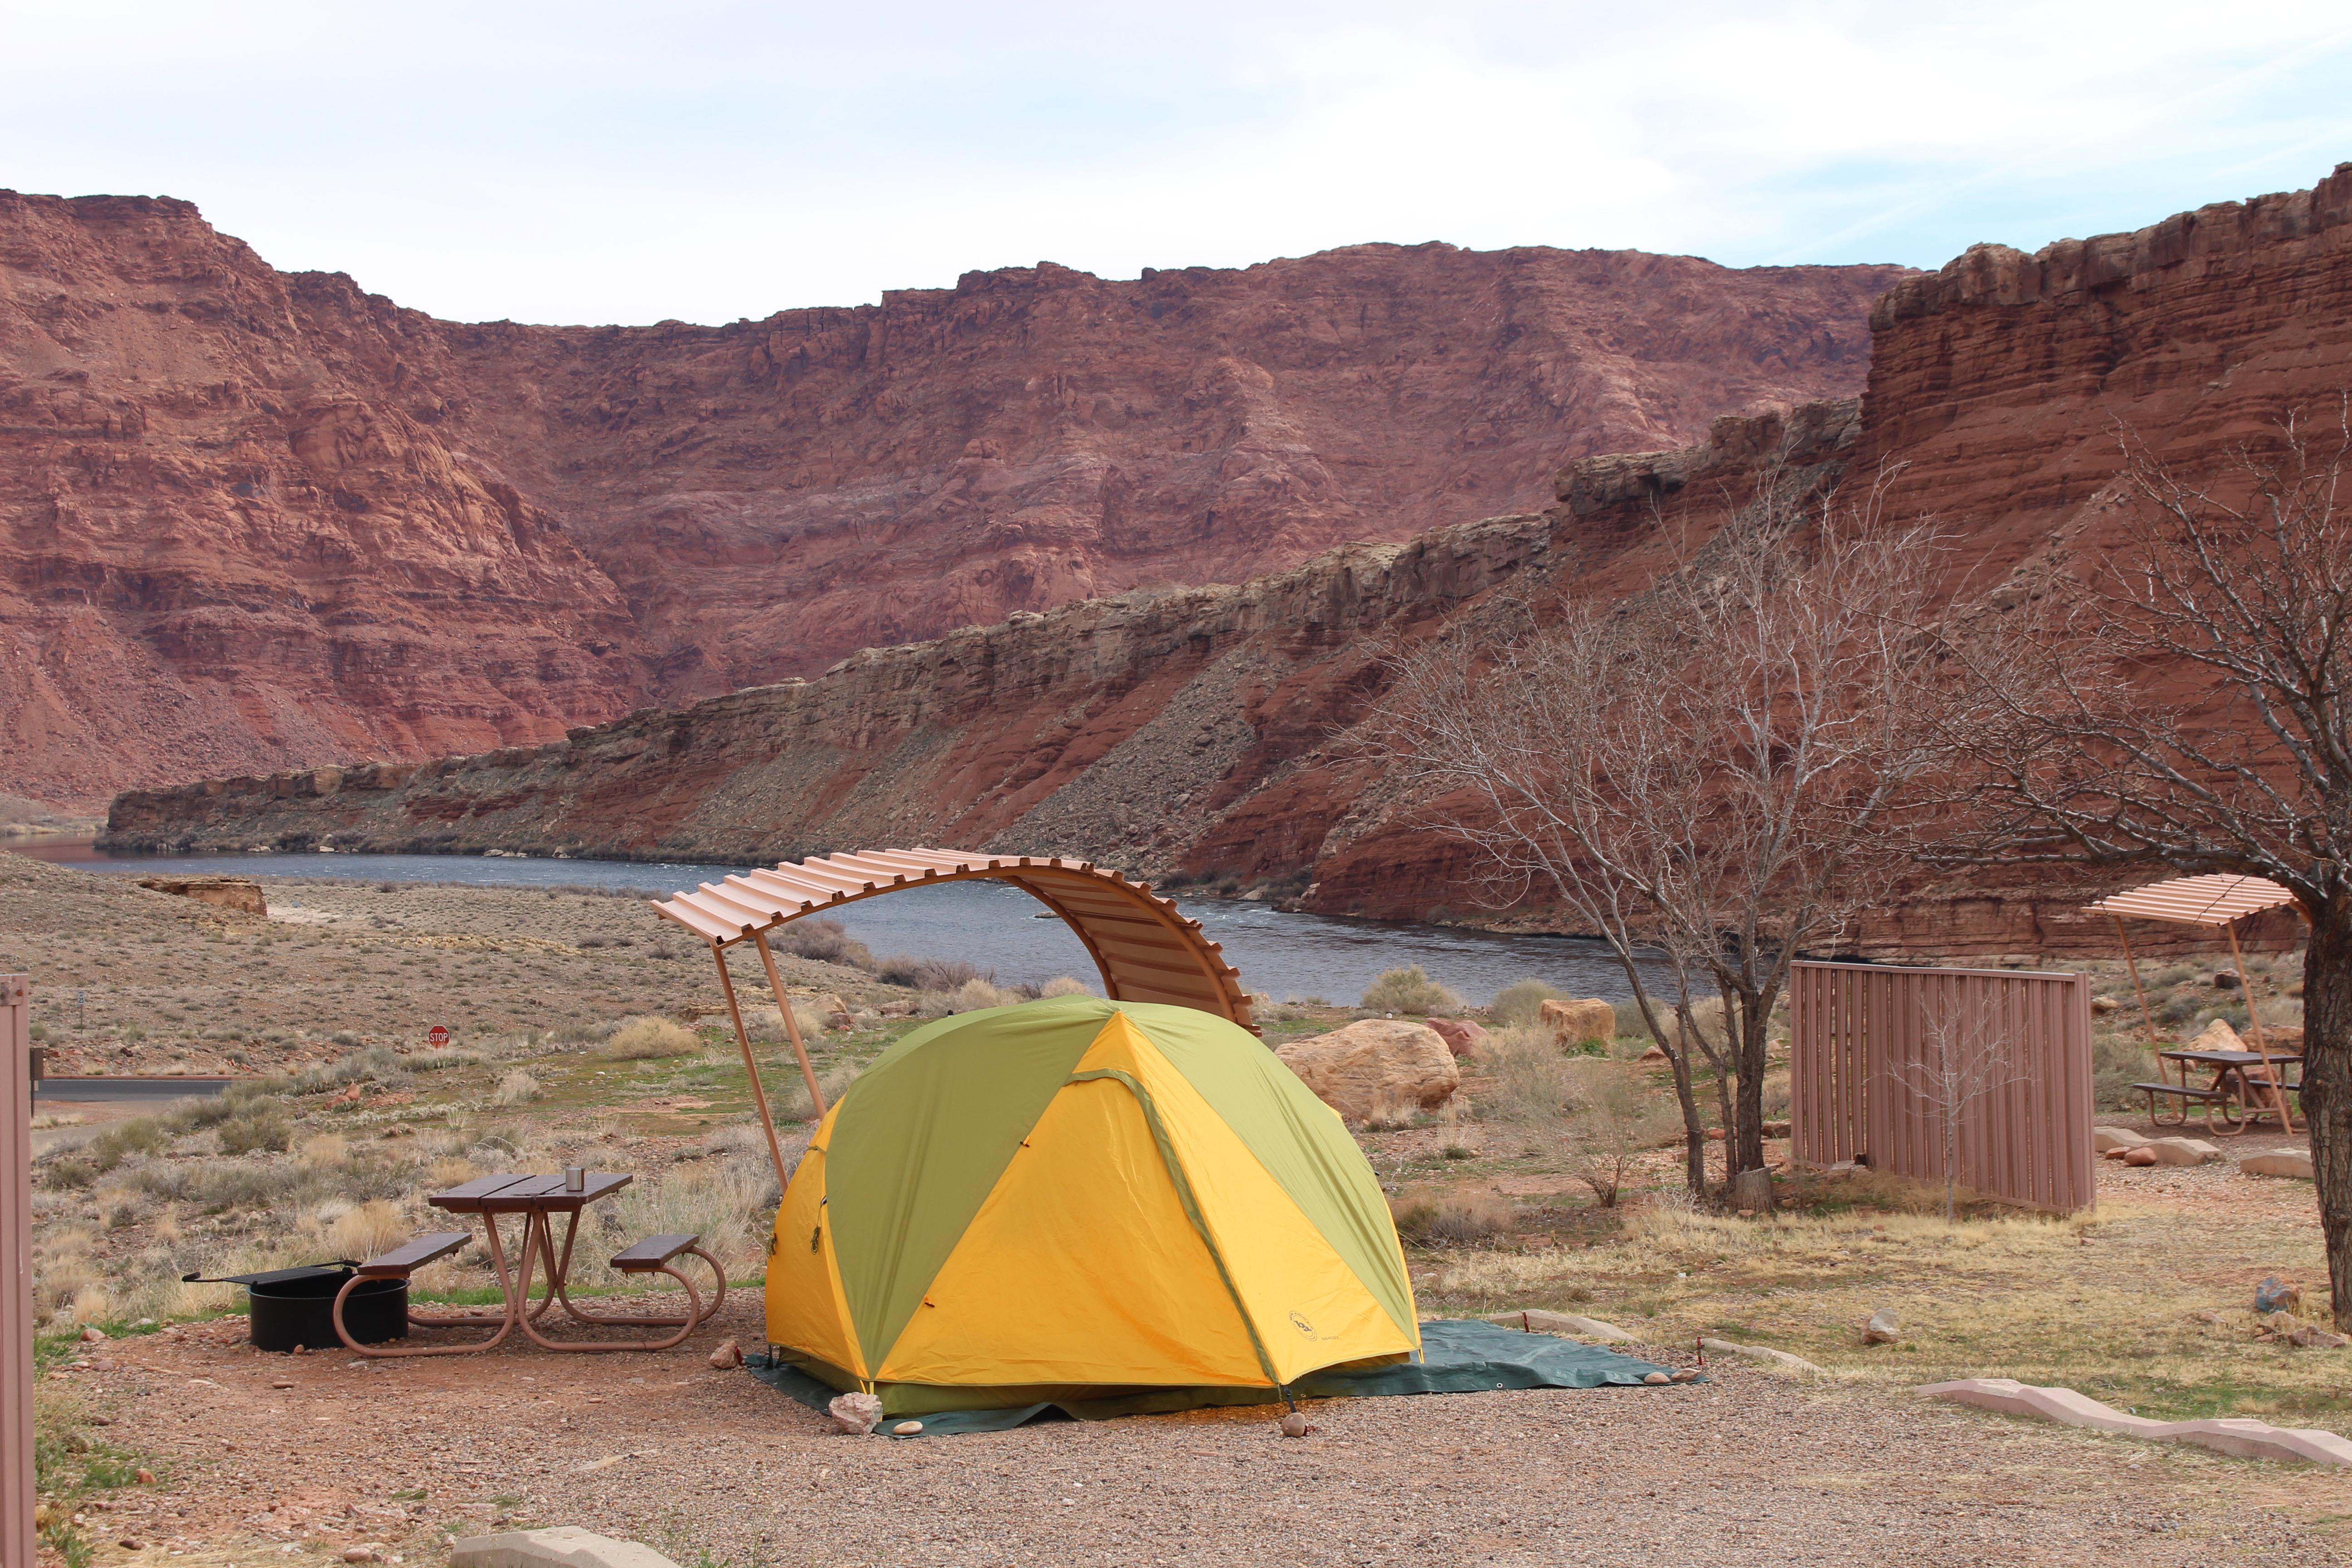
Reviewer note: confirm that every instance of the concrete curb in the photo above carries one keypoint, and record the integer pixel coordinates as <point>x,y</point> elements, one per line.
<point>2246,1439</point>
<point>1758,1352</point>
<point>565,1546</point>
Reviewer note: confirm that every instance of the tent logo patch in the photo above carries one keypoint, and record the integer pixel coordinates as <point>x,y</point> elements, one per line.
<point>1299,1321</point>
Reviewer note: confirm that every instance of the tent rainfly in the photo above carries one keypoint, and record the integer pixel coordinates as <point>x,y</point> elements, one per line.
<point>1079,1199</point>
<point>2217,899</point>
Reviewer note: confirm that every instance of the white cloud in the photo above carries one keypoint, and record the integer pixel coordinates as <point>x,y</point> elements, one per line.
<point>598,162</point>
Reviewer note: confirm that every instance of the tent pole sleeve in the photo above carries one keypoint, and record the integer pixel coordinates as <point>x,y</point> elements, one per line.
<point>791,1024</point>
<point>2139,990</point>
<point>2254,1021</point>
<point>743,1038</point>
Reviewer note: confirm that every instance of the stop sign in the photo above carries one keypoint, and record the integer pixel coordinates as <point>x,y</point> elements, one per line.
<point>439,1036</point>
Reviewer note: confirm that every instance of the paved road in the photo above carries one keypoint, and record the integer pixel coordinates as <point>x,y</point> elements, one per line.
<point>93,1090</point>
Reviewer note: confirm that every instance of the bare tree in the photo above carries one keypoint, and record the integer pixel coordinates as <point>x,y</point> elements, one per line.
<point>1613,1120</point>
<point>1709,776</point>
<point>2185,701</point>
<point>1965,1057</point>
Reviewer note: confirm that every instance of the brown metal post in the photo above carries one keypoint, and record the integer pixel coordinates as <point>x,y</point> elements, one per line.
<point>791,1024</point>
<point>2254,1022</point>
<point>16,1540</point>
<point>742,1038</point>
<point>2139,990</point>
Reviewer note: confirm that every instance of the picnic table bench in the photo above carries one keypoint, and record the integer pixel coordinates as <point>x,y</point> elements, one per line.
<point>2242,1089</point>
<point>537,1198</point>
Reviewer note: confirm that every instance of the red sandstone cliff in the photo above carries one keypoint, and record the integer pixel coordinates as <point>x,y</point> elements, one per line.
<point>251,519</point>
<point>1205,728</point>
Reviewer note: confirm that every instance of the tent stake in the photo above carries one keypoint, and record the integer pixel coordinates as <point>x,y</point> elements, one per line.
<point>759,1095</point>
<point>791,1024</point>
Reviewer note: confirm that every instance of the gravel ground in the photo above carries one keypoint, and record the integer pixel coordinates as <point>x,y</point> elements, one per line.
<point>1746,1469</point>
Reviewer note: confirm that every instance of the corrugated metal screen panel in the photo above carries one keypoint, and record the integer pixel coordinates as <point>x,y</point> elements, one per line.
<point>1881,1060</point>
<point>16,1546</point>
<point>1145,948</point>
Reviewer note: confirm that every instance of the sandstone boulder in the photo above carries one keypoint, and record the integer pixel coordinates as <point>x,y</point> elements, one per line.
<point>2219,1037</point>
<point>1462,1036</point>
<point>2183,1151</point>
<point>2106,1139</point>
<point>1375,1066</point>
<point>1574,1022</point>
<point>1883,1328</point>
<point>2289,1163</point>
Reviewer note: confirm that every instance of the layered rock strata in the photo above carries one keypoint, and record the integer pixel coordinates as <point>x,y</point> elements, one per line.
<point>1208,730</point>
<point>252,520</point>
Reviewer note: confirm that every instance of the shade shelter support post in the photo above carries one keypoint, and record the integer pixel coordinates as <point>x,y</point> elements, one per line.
<point>2145,1017</point>
<point>791,1024</point>
<point>2254,1022</point>
<point>743,1039</point>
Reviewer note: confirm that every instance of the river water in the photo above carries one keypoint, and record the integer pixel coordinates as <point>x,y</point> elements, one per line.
<point>988,924</point>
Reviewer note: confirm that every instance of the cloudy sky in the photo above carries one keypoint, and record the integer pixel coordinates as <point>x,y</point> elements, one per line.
<point>628,162</point>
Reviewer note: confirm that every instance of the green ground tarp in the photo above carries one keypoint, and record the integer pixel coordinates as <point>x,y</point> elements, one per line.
<point>1457,1356</point>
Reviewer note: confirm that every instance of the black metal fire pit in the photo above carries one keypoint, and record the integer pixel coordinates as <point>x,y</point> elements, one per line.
<point>294,1307</point>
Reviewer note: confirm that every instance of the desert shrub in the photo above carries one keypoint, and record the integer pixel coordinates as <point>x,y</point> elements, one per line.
<point>1630,1025</point>
<point>2179,1008</point>
<point>766,1025</point>
<point>2118,1061</point>
<point>1450,1222</point>
<point>516,1087</point>
<point>2234,1013</point>
<point>826,942</point>
<point>1533,1083</point>
<point>369,1229</point>
<point>68,1171</point>
<point>259,1128</point>
<point>447,1056</point>
<point>833,1082</point>
<point>644,1037</point>
<point>1521,1002</point>
<point>222,1186</point>
<point>1410,990</point>
<point>327,1152</point>
<point>941,975</point>
<point>974,994</point>
<point>139,1135</point>
<point>344,1038</point>
<point>1614,1116</point>
<point>1066,985</point>
<point>377,1064</point>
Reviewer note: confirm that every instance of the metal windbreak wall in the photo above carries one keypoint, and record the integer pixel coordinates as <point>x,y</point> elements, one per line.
<point>1892,1065</point>
<point>16,1290</point>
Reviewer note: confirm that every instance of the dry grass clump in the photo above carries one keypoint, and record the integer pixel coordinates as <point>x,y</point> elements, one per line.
<point>1450,1221</point>
<point>645,1038</point>
<point>1521,1002</point>
<point>766,1025</point>
<point>1066,985</point>
<point>833,1083</point>
<point>1411,992</point>
<point>517,1087</point>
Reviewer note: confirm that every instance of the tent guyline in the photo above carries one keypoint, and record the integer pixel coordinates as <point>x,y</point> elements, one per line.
<point>2219,899</point>
<point>1144,949</point>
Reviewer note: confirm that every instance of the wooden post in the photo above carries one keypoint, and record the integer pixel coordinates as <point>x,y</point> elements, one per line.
<point>791,1024</point>
<point>2254,1022</point>
<point>16,1536</point>
<point>742,1038</point>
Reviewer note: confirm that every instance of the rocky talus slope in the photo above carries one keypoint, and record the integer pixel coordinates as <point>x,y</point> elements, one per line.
<point>1208,730</point>
<point>252,520</point>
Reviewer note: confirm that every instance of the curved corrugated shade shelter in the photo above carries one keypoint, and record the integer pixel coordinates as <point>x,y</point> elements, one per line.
<point>1145,950</point>
<point>2220,899</point>
<point>2211,900</point>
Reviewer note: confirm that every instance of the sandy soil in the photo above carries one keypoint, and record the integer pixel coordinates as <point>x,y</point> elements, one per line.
<point>1749,1469</point>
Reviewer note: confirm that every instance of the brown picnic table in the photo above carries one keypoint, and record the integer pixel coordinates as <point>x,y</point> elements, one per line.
<point>538,1199</point>
<point>2244,1088</point>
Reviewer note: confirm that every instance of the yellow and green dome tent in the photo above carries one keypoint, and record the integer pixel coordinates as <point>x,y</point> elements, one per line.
<point>1079,1199</point>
